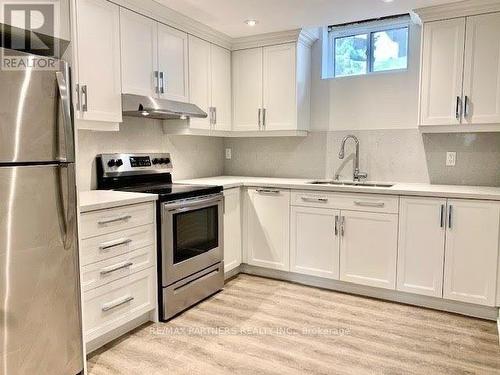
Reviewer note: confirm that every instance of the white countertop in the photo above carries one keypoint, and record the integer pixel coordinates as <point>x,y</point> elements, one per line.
<point>100,199</point>
<point>413,189</point>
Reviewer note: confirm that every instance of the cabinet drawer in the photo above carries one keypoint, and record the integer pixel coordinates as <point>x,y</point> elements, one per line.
<point>97,223</point>
<point>101,273</point>
<point>110,306</point>
<point>342,201</point>
<point>110,245</point>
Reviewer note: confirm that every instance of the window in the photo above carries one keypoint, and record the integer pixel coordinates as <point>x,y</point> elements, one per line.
<point>367,47</point>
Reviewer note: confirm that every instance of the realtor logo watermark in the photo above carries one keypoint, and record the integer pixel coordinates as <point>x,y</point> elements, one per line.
<point>28,29</point>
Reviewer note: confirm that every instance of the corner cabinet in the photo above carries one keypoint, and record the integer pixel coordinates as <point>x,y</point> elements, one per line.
<point>267,225</point>
<point>210,84</point>
<point>271,88</point>
<point>97,65</point>
<point>460,73</point>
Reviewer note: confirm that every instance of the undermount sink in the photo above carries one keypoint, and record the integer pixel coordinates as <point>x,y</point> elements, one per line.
<point>349,183</point>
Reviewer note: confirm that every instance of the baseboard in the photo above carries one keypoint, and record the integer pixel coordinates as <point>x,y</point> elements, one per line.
<point>100,341</point>
<point>477,311</point>
<point>232,273</point>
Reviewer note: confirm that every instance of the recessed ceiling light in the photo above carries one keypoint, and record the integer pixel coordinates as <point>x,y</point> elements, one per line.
<point>387,1</point>
<point>251,22</point>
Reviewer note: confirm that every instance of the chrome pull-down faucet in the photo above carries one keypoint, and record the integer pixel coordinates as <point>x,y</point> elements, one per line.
<point>357,175</point>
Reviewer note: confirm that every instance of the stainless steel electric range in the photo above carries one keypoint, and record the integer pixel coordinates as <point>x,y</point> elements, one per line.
<point>189,227</point>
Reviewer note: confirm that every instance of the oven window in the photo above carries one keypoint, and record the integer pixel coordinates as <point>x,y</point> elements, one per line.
<point>195,232</point>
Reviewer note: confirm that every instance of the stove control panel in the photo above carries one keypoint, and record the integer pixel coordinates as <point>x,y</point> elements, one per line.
<point>134,164</point>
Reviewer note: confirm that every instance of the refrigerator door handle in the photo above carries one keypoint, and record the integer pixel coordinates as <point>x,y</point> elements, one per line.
<point>69,216</point>
<point>65,94</point>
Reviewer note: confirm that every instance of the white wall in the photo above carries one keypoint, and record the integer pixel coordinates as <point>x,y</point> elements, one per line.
<point>387,100</point>
<point>191,156</point>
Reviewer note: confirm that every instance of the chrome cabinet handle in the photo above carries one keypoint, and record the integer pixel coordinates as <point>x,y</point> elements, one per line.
<point>156,76</point>
<point>458,109</point>
<point>442,216</point>
<point>264,110</point>
<point>369,204</point>
<point>111,244</point>
<point>116,267</point>
<point>162,83</point>
<point>114,220</point>
<point>77,92</point>
<point>114,304</point>
<point>268,191</point>
<point>259,116</point>
<point>466,106</point>
<point>84,98</point>
<point>313,199</point>
<point>336,225</point>
<point>342,224</point>
<point>215,115</point>
<point>450,215</point>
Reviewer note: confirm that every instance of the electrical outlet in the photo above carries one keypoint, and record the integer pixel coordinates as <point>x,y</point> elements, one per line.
<point>228,154</point>
<point>451,159</point>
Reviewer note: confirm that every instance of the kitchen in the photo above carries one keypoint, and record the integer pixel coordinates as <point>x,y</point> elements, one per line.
<point>260,187</point>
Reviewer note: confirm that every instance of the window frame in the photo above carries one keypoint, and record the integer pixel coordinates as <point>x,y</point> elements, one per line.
<point>332,33</point>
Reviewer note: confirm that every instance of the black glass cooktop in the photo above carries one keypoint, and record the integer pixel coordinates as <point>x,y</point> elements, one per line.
<point>169,192</point>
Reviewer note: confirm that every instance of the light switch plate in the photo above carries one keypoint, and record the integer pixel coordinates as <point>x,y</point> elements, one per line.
<point>228,154</point>
<point>451,159</point>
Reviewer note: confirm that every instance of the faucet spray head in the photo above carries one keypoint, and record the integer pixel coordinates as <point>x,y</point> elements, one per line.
<point>341,154</point>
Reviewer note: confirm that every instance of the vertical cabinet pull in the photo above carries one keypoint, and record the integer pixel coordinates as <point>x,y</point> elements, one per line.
<point>162,83</point>
<point>342,224</point>
<point>458,109</point>
<point>336,225</point>
<point>215,115</point>
<point>78,103</point>
<point>156,75</point>
<point>264,118</point>
<point>84,98</point>
<point>450,215</point>
<point>466,106</point>
<point>441,220</point>
<point>259,115</point>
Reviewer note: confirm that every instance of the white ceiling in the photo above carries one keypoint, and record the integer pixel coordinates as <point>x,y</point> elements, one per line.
<point>228,16</point>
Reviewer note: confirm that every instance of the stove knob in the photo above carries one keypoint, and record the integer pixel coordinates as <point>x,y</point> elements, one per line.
<point>119,162</point>
<point>167,160</point>
<point>156,161</point>
<point>111,163</point>
<point>163,161</point>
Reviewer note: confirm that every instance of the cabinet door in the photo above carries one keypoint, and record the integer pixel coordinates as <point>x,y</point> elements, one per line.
<point>232,229</point>
<point>482,70</point>
<point>173,63</point>
<point>314,242</point>
<point>422,227</point>
<point>279,98</point>
<point>247,89</point>
<point>472,243</point>
<point>442,70</point>
<point>98,59</point>
<point>267,228</point>
<point>368,248</point>
<point>221,87</point>
<point>199,79</point>
<point>139,54</point>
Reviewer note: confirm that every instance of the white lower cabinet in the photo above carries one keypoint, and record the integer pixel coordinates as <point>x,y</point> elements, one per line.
<point>471,251</point>
<point>267,224</point>
<point>314,241</point>
<point>368,248</point>
<point>422,227</point>
<point>118,268</point>
<point>232,229</point>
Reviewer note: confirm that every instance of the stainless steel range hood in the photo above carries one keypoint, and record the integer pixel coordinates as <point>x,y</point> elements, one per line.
<point>159,109</point>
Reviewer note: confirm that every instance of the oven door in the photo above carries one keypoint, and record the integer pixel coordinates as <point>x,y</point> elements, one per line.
<point>192,236</point>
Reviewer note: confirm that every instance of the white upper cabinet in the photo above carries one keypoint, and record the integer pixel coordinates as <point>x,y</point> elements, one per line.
<point>482,70</point>
<point>422,227</point>
<point>173,63</point>
<point>267,225</point>
<point>368,248</point>
<point>279,95</point>
<point>314,241</point>
<point>247,89</point>
<point>221,87</point>
<point>139,51</point>
<point>471,256</point>
<point>200,80</point>
<point>442,70</point>
<point>267,82</point>
<point>97,65</point>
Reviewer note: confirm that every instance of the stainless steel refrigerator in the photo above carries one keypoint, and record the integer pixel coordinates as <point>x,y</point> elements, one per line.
<point>40,319</point>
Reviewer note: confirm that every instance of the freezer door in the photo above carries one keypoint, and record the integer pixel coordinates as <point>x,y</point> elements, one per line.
<point>40,321</point>
<point>35,115</point>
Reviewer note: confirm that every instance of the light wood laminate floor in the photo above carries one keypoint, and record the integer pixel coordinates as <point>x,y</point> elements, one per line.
<point>263,326</point>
